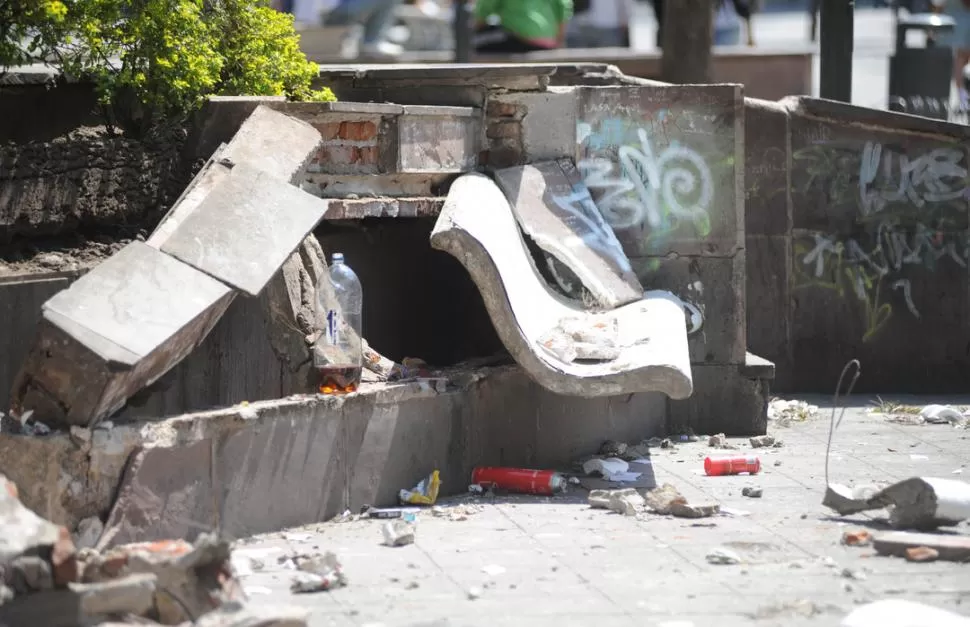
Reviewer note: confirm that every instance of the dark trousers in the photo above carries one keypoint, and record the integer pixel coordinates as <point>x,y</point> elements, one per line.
<point>497,40</point>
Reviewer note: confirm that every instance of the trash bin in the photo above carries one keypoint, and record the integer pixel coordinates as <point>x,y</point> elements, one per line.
<point>919,78</point>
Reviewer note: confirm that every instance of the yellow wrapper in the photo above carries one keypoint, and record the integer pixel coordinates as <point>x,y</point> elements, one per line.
<point>425,493</point>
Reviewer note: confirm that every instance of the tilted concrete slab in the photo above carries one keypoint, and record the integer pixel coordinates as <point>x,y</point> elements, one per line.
<point>246,227</point>
<point>477,227</point>
<point>554,208</point>
<point>279,145</point>
<point>114,331</point>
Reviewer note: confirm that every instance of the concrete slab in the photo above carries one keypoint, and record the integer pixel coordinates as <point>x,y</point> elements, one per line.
<point>477,227</point>
<point>554,208</point>
<point>279,145</point>
<point>115,330</point>
<point>245,228</point>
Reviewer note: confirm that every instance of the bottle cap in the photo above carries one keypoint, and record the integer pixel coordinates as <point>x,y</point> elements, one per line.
<point>338,258</point>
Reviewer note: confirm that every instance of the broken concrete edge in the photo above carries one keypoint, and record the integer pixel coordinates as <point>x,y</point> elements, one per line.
<point>643,367</point>
<point>83,468</point>
<point>852,114</point>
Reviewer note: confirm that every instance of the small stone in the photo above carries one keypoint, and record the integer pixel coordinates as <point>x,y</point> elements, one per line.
<point>474,593</point>
<point>682,509</point>
<point>612,448</point>
<point>754,493</point>
<point>858,575</point>
<point>719,440</point>
<point>922,554</point>
<point>660,499</point>
<point>88,533</point>
<point>857,538</point>
<point>723,557</point>
<point>626,502</point>
<point>762,441</point>
<point>599,499</point>
<point>398,533</point>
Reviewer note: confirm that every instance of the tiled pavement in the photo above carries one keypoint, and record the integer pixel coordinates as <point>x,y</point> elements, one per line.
<point>567,564</point>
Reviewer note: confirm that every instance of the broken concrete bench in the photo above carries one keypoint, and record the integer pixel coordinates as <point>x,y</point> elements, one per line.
<point>478,227</point>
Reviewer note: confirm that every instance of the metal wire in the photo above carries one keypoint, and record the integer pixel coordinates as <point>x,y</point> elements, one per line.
<point>833,424</point>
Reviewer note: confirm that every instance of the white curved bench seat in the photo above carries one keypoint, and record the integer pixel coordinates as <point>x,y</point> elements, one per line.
<point>477,227</point>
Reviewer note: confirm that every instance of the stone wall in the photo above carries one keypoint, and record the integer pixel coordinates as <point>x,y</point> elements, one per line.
<point>857,237</point>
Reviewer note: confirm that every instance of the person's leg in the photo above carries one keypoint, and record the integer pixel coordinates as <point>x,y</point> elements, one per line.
<point>380,18</point>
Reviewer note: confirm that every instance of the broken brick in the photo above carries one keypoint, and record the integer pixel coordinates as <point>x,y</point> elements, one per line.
<point>922,554</point>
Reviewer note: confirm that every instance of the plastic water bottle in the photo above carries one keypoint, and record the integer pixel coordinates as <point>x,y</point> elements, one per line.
<point>340,369</point>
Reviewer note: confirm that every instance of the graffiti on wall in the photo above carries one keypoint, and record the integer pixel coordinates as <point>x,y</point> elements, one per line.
<point>910,212</point>
<point>638,185</point>
<point>651,185</point>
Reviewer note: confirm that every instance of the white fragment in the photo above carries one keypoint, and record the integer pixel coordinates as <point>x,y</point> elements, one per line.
<point>493,570</point>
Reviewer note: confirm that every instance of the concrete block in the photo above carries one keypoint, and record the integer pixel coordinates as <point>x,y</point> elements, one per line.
<point>554,209</point>
<point>548,124</point>
<point>724,401</point>
<point>477,227</point>
<point>270,141</point>
<point>114,331</point>
<point>664,164</point>
<point>245,228</point>
<point>438,139</point>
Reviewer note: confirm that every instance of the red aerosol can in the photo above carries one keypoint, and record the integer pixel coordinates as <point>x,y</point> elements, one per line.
<point>521,480</point>
<point>732,465</point>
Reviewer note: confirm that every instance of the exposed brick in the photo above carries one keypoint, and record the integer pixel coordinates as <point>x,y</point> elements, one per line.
<point>504,130</point>
<point>505,154</point>
<point>358,131</point>
<point>497,109</point>
<point>329,130</point>
<point>367,155</point>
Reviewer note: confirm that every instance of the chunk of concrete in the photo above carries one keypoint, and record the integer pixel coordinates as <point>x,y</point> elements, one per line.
<point>275,143</point>
<point>477,227</point>
<point>116,330</point>
<point>240,614</point>
<point>245,229</point>
<point>554,208</point>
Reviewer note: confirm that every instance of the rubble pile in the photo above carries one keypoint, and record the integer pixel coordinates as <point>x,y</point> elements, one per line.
<point>46,580</point>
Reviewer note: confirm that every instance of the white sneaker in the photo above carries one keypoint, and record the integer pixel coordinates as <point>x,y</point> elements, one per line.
<point>381,49</point>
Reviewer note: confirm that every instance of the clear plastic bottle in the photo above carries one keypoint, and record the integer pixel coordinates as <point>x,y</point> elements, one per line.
<point>340,369</point>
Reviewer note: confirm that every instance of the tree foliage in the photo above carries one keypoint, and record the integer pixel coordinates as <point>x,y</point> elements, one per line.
<point>156,61</point>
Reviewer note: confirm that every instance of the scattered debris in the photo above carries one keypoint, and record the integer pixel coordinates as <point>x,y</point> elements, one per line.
<point>943,414</point>
<point>723,557</point>
<point>238,614</point>
<point>848,573</point>
<point>612,448</point>
<point>398,533</point>
<point>521,480</point>
<point>948,547</point>
<point>474,593</point>
<point>754,493</point>
<point>660,443</point>
<point>668,500</point>
<point>719,440</point>
<point>921,503</point>
<point>611,469</point>
<point>857,538</point>
<point>659,499</point>
<point>456,513</point>
<point>719,466</point>
<point>318,574</point>
<point>902,613</point>
<point>922,554</point>
<point>425,493</point>
<point>783,412</point>
<point>765,441</point>
<point>799,607</point>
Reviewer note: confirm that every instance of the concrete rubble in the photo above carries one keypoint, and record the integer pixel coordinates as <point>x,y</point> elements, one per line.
<point>47,581</point>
